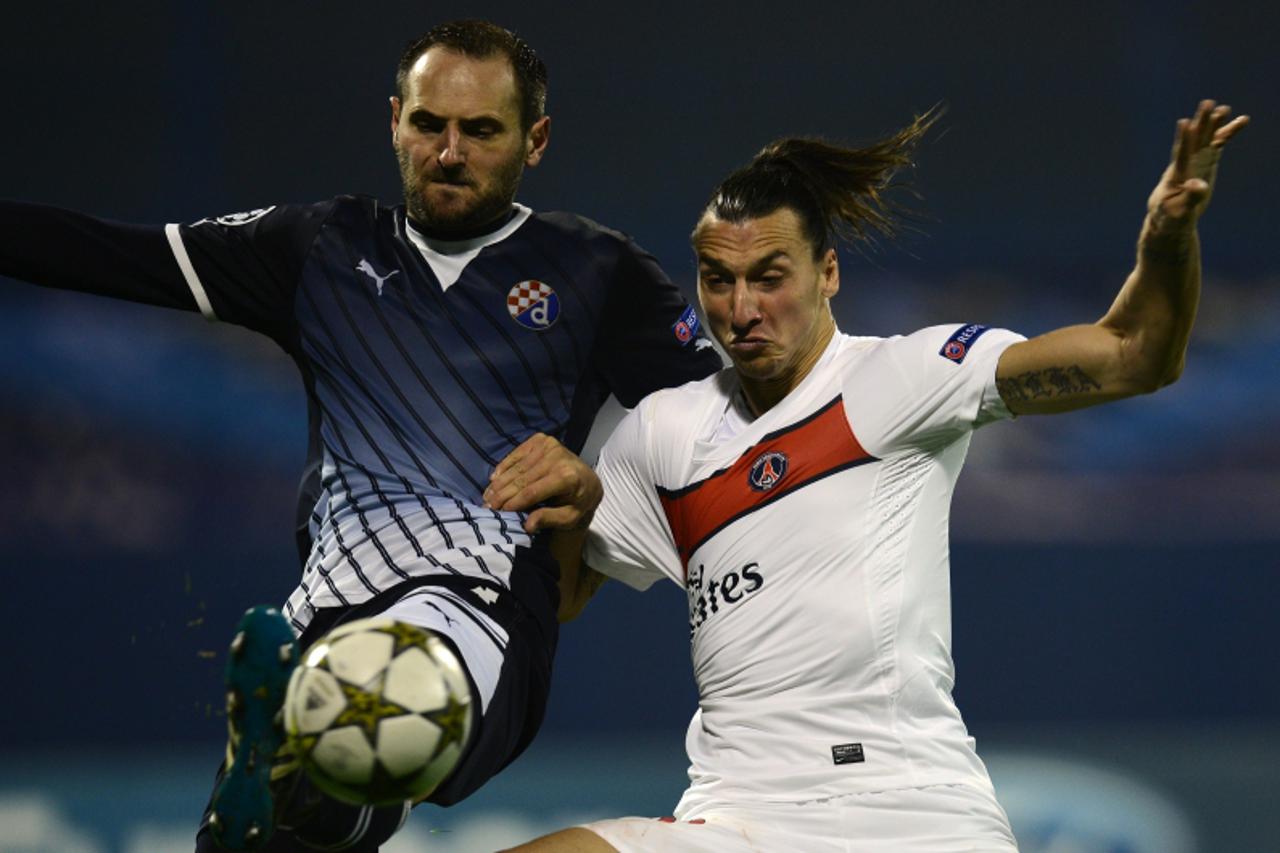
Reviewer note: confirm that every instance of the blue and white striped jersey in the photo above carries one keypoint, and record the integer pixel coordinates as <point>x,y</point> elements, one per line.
<point>426,362</point>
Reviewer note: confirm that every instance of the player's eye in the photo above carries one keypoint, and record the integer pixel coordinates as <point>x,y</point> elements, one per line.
<point>485,130</point>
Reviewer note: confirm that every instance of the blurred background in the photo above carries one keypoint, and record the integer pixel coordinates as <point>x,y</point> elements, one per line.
<point>1114,572</point>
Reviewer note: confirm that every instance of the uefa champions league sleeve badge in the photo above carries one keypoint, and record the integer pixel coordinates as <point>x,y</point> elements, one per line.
<point>533,305</point>
<point>957,346</point>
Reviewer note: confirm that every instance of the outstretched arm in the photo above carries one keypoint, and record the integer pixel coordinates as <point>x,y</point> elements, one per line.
<point>72,251</point>
<point>1140,344</point>
<point>563,492</point>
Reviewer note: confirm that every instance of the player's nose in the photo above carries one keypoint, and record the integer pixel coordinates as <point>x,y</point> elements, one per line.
<point>452,152</point>
<point>744,310</point>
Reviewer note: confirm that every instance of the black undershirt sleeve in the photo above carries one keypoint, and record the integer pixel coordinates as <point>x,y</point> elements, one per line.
<point>71,251</point>
<point>245,266</point>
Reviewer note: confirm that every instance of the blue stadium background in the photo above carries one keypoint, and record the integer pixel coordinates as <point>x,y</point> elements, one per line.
<point>1115,573</point>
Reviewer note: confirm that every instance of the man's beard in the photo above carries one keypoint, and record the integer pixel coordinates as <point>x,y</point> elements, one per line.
<point>486,207</point>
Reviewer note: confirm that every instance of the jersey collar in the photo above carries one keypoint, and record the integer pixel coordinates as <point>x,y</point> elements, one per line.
<point>448,258</point>
<point>733,423</point>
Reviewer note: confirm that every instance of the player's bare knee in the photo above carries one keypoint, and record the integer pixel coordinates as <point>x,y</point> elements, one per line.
<point>575,840</point>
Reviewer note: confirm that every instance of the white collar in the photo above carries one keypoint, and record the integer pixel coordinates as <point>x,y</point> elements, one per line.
<point>736,416</point>
<point>448,258</point>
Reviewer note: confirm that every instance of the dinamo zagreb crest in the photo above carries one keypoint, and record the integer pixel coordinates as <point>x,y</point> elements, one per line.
<point>533,305</point>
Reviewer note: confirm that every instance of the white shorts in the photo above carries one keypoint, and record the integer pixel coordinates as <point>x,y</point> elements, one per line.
<point>932,819</point>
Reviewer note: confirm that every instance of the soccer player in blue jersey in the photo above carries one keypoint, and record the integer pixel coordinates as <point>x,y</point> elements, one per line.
<point>433,339</point>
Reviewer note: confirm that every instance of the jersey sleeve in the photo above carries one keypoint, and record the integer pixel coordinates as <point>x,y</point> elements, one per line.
<point>244,268</point>
<point>629,539</point>
<point>652,337</point>
<point>59,248</point>
<point>241,269</point>
<point>926,388</point>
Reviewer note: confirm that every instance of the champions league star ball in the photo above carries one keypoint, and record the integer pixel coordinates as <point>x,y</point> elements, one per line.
<point>378,712</point>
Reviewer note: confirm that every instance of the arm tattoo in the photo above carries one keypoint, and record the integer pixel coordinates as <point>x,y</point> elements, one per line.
<point>1050,382</point>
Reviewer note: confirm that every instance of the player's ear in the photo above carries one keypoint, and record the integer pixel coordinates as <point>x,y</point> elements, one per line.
<point>829,274</point>
<point>535,141</point>
<point>395,117</point>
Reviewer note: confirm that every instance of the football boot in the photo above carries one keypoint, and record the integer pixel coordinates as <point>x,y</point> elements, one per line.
<point>263,655</point>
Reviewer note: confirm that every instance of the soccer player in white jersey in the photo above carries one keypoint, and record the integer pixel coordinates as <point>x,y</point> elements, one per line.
<point>801,497</point>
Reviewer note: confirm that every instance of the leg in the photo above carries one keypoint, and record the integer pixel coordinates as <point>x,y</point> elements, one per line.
<point>507,656</point>
<point>322,823</point>
<point>261,801</point>
<point>575,840</point>
<point>505,639</point>
<point>720,833</point>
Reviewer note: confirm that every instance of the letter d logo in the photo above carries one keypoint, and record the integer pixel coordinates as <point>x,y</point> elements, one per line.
<point>540,314</point>
<point>533,305</point>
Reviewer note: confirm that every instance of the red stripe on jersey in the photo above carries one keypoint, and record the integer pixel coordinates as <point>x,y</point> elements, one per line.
<point>816,447</point>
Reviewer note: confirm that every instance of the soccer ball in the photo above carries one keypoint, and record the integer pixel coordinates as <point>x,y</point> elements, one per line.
<point>378,712</point>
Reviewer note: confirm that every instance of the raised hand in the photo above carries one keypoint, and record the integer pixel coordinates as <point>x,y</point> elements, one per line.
<point>1187,183</point>
<point>544,475</point>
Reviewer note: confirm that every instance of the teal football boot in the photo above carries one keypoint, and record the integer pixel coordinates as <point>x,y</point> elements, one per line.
<point>263,655</point>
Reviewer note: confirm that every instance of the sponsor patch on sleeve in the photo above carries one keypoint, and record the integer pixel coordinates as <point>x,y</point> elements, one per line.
<point>957,346</point>
<point>686,328</point>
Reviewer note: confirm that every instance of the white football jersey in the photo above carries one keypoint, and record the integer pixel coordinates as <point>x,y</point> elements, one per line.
<point>812,542</point>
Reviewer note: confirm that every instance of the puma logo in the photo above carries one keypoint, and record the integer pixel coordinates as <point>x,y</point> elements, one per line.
<point>367,268</point>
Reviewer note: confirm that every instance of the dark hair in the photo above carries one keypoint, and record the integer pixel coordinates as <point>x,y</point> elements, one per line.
<point>837,192</point>
<point>481,40</point>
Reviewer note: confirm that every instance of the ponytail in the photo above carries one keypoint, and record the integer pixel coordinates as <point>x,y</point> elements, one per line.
<point>839,193</point>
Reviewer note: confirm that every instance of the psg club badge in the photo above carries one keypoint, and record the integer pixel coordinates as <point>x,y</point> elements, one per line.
<point>767,471</point>
<point>533,305</point>
<point>957,346</point>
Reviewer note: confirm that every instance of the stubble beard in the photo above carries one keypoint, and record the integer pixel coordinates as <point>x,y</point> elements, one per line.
<point>486,208</point>
<point>782,369</point>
